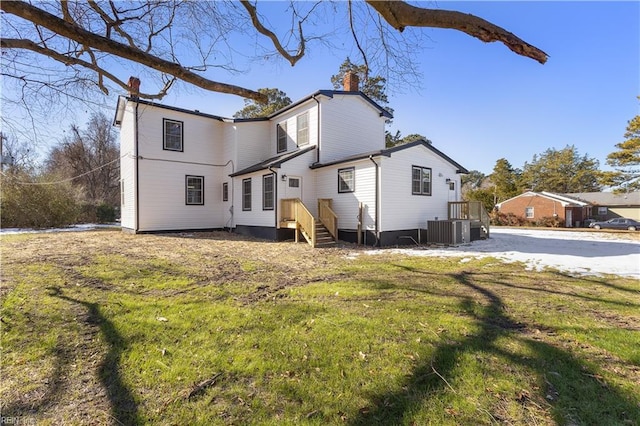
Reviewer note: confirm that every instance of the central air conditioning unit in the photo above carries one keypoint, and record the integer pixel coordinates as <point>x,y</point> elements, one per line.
<point>448,231</point>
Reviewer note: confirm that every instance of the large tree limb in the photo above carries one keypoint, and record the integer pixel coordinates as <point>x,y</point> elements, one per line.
<point>400,15</point>
<point>87,38</point>
<point>10,43</point>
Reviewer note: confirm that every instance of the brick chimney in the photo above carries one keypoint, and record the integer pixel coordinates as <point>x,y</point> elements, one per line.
<point>350,82</point>
<point>134,87</point>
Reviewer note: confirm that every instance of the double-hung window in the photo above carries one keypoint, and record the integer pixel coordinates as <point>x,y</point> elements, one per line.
<point>302,124</point>
<point>420,180</point>
<point>246,194</point>
<point>172,135</point>
<point>282,137</point>
<point>529,212</point>
<point>347,180</point>
<point>195,190</point>
<point>267,192</point>
<point>225,191</point>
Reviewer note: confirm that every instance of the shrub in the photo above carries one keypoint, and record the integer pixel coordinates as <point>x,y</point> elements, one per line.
<point>549,222</point>
<point>106,213</point>
<point>506,219</point>
<point>28,201</point>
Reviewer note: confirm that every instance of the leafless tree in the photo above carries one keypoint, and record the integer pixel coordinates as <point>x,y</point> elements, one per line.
<point>89,157</point>
<point>72,49</point>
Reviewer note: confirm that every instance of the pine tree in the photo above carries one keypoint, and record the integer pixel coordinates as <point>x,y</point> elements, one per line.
<point>626,160</point>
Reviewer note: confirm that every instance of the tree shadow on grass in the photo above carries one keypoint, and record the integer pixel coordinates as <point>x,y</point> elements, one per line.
<point>575,394</point>
<point>124,408</point>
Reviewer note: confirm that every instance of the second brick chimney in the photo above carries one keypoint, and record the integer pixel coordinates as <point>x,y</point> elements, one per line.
<point>351,82</point>
<point>134,87</point>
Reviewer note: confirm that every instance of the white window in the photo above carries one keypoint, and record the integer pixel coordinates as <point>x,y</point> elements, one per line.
<point>528,212</point>
<point>347,180</point>
<point>282,137</point>
<point>246,194</point>
<point>267,192</point>
<point>303,129</point>
<point>195,190</point>
<point>225,191</point>
<point>602,211</point>
<point>172,135</point>
<point>420,180</point>
<point>294,182</point>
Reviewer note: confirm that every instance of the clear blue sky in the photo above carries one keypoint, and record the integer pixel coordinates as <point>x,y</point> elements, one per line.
<point>480,102</point>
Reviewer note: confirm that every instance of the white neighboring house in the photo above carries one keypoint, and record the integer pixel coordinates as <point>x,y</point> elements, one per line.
<point>323,156</point>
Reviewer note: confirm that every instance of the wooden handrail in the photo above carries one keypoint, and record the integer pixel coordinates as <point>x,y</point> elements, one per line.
<point>470,210</point>
<point>327,216</point>
<point>302,216</point>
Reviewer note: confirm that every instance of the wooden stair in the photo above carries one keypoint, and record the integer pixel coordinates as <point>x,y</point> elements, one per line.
<point>323,237</point>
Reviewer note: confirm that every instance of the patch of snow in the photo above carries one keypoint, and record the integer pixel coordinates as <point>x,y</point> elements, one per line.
<point>73,228</point>
<point>580,253</point>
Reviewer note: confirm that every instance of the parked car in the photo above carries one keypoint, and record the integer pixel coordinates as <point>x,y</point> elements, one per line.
<point>617,223</point>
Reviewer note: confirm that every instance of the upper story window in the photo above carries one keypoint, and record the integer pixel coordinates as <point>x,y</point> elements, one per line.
<point>246,194</point>
<point>267,192</point>
<point>303,129</point>
<point>172,135</point>
<point>420,180</point>
<point>195,190</point>
<point>282,137</point>
<point>347,180</point>
<point>529,212</point>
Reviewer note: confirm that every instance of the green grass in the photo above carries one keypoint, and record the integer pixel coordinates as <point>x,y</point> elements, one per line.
<point>111,328</point>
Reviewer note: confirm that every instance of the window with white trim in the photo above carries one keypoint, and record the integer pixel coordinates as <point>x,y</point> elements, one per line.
<point>294,182</point>
<point>302,125</point>
<point>603,211</point>
<point>246,194</point>
<point>225,191</point>
<point>194,190</point>
<point>529,212</point>
<point>420,180</point>
<point>282,137</point>
<point>347,180</point>
<point>172,135</point>
<point>268,192</point>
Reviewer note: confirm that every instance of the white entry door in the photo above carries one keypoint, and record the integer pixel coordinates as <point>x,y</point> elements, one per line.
<point>568,218</point>
<point>294,187</point>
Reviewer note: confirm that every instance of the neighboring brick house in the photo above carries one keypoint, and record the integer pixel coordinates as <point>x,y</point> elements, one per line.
<point>534,206</point>
<point>609,205</point>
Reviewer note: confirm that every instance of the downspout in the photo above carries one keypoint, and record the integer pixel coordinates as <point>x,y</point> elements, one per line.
<point>136,225</point>
<point>317,129</point>
<point>275,197</point>
<point>377,200</point>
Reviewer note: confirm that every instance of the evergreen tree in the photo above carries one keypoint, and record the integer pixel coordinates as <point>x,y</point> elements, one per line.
<point>276,100</point>
<point>626,160</point>
<point>562,171</point>
<point>505,179</point>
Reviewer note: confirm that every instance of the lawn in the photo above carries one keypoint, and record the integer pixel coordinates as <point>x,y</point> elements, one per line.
<point>104,327</point>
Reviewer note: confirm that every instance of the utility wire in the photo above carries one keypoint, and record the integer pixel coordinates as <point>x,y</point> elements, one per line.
<point>68,179</point>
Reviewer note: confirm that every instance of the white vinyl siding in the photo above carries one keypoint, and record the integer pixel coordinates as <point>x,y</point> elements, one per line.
<point>400,209</point>
<point>350,126</point>
<point>173,135</point>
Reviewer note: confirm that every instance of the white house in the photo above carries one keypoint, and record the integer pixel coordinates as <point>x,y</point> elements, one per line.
<point>317,166</point>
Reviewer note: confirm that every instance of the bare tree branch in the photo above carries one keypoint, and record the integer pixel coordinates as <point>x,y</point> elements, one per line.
<point>70,60</point>
<point>274,38</point>
<point>87,38</point>
<point>400,15</point>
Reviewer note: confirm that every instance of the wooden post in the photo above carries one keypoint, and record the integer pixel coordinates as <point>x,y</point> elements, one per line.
<point>359,223</point>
